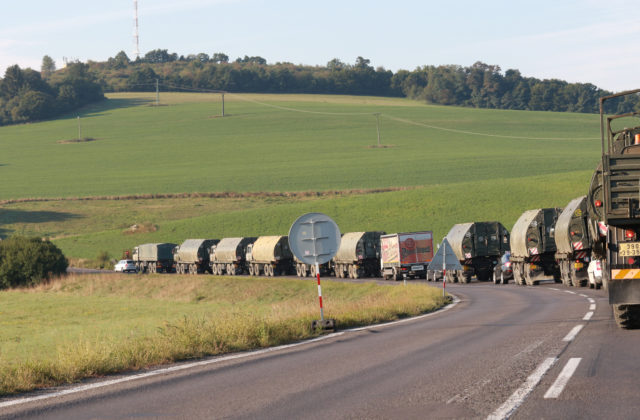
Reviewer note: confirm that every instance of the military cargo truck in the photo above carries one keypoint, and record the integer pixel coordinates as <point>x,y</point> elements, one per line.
<point>154,258</point>
<point>478,246</point>
<point>229,256</point>
<point>533,247</point>
<point>574,243</point>
<point>270,255</point>
<point>615,197</point>
<point>192,256</point>
<point>406,255</point>
<point>358,255</point>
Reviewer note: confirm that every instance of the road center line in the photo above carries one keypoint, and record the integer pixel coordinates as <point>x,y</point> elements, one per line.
<point>572,334</point>
<point>588,316</point>
<point>583,295</point>
<point>592,307</point>
<point>558,386</point>
<point>591,300</point>
<point>514,401</point>
<point>569,291</point>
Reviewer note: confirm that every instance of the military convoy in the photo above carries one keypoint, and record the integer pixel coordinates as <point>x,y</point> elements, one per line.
<point>358,255</point>
<point>229,256</point>
<point>479,247</point>
<point>269,255</point>
<point>574,243</point>
<point>192,256</point>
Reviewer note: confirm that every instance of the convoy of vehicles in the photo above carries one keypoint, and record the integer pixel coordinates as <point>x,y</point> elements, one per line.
<point>594,241</point>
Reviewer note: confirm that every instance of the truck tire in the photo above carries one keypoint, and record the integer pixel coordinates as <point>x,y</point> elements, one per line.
<point>564,273</point>
<point>396,275</point>
<point>451,277</point>
<point>517,273</point>
<point>357,272</point>
<point>627,316</point>
<point>462,278</point>
<point>527,275</point>
<point>573,274</point>
<point>312,271</point>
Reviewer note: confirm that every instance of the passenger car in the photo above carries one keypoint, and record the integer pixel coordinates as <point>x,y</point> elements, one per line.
<point>126,266</point>
<point>502,272</point>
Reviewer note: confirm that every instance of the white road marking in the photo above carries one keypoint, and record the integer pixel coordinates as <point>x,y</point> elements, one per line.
<point>569,291</point>
<point>178,368</point>
<point>591,300</point>
<point>558,386</point>
<point>583,295</point>
<point>588,316</point>
<point>592,307</point>
<point>553,288</point>
<point>514,401</point>
<point>572,334</point>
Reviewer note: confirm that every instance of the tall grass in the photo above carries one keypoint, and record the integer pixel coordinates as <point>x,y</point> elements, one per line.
<point>134,322</point>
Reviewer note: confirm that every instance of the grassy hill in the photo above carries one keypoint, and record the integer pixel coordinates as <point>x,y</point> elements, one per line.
<point>459,164</point>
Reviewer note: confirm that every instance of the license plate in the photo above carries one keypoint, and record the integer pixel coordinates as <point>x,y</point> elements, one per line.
<point>629,249</point>
<point>417,267</point>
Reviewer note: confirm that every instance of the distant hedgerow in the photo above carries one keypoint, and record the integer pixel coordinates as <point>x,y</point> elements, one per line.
<point>29,261</point>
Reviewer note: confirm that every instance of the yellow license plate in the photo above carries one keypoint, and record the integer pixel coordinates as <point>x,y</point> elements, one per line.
<point>629,249</point>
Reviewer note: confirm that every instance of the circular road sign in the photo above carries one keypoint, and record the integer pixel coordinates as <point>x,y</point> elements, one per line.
<point>314,238</point>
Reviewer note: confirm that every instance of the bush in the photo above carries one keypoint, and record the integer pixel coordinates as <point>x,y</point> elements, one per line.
<point>29,261</point>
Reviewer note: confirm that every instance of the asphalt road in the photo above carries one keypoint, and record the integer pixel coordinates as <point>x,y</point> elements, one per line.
<point>500,351</point>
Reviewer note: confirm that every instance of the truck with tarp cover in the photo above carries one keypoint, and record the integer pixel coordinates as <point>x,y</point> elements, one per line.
<point>614,196</point>
<point>479,247</point>
<point>154,258</point>
<point>574,243</point>
<point>229,256</point>
<point>358,255</point>
<point>406,255</point>
<point>533,246</point>
<point>192,256</point>
<point>270,255</point>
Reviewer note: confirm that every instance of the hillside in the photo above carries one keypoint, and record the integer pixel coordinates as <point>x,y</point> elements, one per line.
<point>439,166</point>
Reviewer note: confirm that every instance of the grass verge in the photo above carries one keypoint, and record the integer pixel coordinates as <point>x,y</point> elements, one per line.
<point>88,326</point>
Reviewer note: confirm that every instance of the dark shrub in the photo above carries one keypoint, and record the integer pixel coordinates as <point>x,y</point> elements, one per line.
<point>29,261</point>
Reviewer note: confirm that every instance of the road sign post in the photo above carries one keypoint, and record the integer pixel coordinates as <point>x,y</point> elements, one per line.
<point>314,238</point>
<point>445,258</point>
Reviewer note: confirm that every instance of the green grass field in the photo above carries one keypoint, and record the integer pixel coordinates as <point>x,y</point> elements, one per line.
<point>460,164</point>
<point>84,326</point>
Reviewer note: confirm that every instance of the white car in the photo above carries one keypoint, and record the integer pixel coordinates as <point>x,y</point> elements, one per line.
<point>595,274</point>
<point>126,266</point>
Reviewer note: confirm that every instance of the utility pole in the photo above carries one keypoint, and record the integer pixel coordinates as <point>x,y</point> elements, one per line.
<point>79,132</point>
<point>223,104</point>
<point>157,94</point>
<point>377,114</point>
<point>136,40</point>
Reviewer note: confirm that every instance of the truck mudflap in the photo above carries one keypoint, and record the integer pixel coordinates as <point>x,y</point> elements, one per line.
<point>624,286</point>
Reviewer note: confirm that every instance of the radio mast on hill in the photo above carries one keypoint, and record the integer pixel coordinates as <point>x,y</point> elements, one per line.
<point>136,50</point>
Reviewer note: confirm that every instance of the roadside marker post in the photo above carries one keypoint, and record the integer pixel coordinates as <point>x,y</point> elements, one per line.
<point>314,238</point>
<point>445,258</point>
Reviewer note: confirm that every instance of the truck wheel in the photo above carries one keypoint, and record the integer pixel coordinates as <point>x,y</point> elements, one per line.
<point>451,277</point>
<point>517,274</point>
<point>573,274</point>
<point>312,270</point>
<point>357,272</point>
<point>462,278</point>
<point>564,273</point>
<point>527,274</point>
<point>627,316</point>
<point>251,269</point>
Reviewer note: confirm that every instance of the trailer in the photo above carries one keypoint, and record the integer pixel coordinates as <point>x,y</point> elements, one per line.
<point>192,256</point>
<point>358,255</point>
<point>154,258</point>
<point>533,247</point>
<point>479,247</point>
<point>229,256</point>
<point>270,255</point>
<point>406,255</point>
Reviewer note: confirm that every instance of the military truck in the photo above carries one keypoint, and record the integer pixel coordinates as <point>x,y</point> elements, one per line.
<point>533,247</point>
<point>478,246</point>
<point>270,255</point>
<point>229,256</point>
<point>192,256</point>
<point>574,243</point>
<point>406,255</point>
<point>615,198</point>
<point>358,255</point>
<point>154,258</point>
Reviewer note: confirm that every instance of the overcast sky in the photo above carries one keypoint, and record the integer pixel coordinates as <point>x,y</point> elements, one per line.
<point>585,41</point>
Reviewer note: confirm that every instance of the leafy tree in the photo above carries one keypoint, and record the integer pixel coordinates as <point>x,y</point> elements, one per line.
<point>48,66</point>
<point>29,261</point>
<point>32,105</point>
<point>142,79</point>
<point>362,63</point>
<point>160,56</point>
<point>335,64</point>
<point>220,58</point>
<point>120,61</point>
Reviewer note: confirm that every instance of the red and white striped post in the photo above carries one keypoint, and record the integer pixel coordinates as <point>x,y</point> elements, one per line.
<point>319,291</point>
<point>444,270</point>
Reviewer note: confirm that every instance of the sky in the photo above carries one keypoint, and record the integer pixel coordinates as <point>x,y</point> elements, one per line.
<point>579,41</point>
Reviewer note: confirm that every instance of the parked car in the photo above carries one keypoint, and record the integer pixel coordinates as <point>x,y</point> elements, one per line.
<point>126,266</point>
<point>502,272</point>
<point>595,274</point>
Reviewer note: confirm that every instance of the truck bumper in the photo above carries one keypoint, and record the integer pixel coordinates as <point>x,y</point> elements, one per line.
<point>624,286</point>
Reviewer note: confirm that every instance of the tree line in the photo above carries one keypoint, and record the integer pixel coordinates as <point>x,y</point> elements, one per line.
<point>28,95</point>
